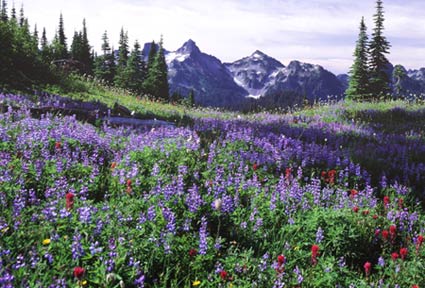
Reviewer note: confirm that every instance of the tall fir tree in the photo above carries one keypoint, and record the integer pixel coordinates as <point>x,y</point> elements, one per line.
<point>358,87</point>
<point>86,57</point>
<point>379,46</point>
<point>156,83</point>
<point>62,48</point>
<point>3,11</point>
<point>105,64</point>
<point>21,16</point>
<point>151,54</point>
<point>76,46</point>
<point>122,59</point>
<point>134,72</point>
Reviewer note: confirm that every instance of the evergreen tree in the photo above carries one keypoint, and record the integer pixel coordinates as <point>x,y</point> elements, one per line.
<point>122,59</point>
<point>105,64</point>
<point>13,14</point>
<point>191,98</point>
<point>134,72</point>
<point>3,11</point>
<point>359,73</point>
<point>399,75</point>
<point>379,46</point>
<point>86,57</point>
<point>61,49</point>
<point>156,83</point>
<point>21,16</point>
<point>76,46</point>
<point>45,51</point>
<point>151,55</point>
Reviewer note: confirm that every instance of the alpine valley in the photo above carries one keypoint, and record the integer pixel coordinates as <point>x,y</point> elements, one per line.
<point>261,79</point>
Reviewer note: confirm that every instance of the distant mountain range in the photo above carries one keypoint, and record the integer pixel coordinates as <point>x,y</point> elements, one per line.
<point>258,77</point>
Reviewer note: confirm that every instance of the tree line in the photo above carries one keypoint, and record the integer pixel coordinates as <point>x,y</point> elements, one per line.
<point>27,60</point>
<point>369,75</point>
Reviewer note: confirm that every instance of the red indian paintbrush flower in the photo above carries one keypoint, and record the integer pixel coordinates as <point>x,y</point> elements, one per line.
<point>415,286</point>
<point>367,267</point>
<point>280,259</point>
<point>394,256</point>
<point>79,272</point>
<point>353,193</point>
<point>58,145</point>
<point>193,252</point>
<point>69,201</point>
<point>385,234</point>
<point>255,166</point>
<point>419,242</point>
<point>393,232</point>
<point>223,274</point>
<point>403,253</point>
<point>386,200</point>
<point>355,209</point>
<point>314,253</point>
<point>280,264</point>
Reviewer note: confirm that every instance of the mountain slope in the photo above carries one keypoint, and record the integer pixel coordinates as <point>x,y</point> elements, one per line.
<point>189,68</point>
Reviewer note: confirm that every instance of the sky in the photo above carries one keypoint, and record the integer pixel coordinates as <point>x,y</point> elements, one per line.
<point>320,32</point>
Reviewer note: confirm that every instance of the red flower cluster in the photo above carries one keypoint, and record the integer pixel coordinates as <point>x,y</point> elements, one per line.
<point>79,272</point>
<point>193,252</point>
<point>403,253</point>
<point>128,189</point>
<point>280,264</point>
<point>394,256</point>
<point>367,267</point>
<point>69,201</point>
<point>255,166</point>
<point>353,193</point>
<point>329,177</point>
<point>58,145</point>
<point>386,201</point>
<point>355,209</point>
<point>288,174</point>
<point>314,254</point>
<point>419,242</point>
<point>393,232</point>
<point>223,275</point>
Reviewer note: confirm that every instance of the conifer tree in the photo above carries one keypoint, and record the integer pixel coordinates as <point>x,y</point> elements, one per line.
<point>151,55</point>
<point>134,72</point>
<point>62,48</point>
<point>86,57</point>
<point>21,16</point>
<point>76,47</point>
<point>156,83</point>
<point>379,46</point>
<point>122,59</point>
<point>359,74</point>
<point>105,64</point>
<point>3,11</point>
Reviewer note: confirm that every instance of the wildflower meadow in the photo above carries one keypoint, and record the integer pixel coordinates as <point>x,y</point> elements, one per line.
<point>264,200</point>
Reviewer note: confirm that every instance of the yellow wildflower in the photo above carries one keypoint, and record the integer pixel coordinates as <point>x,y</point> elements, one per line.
<point>196,283</point>
<point>296,248</point>
<point>46,241</point>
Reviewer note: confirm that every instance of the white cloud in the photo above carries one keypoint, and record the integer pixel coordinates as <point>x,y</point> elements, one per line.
<point>318,31</point>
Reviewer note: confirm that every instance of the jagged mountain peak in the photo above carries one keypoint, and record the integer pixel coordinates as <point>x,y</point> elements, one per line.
<point>189,47</point>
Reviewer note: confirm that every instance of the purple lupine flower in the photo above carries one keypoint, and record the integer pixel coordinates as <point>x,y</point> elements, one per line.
<point>170,219</point>
<point>203,245</point>
<point>151,215</point>
<point>194,199</point>
<point>319,235</point>
<point>297,272</point>
<point>76,247</point>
